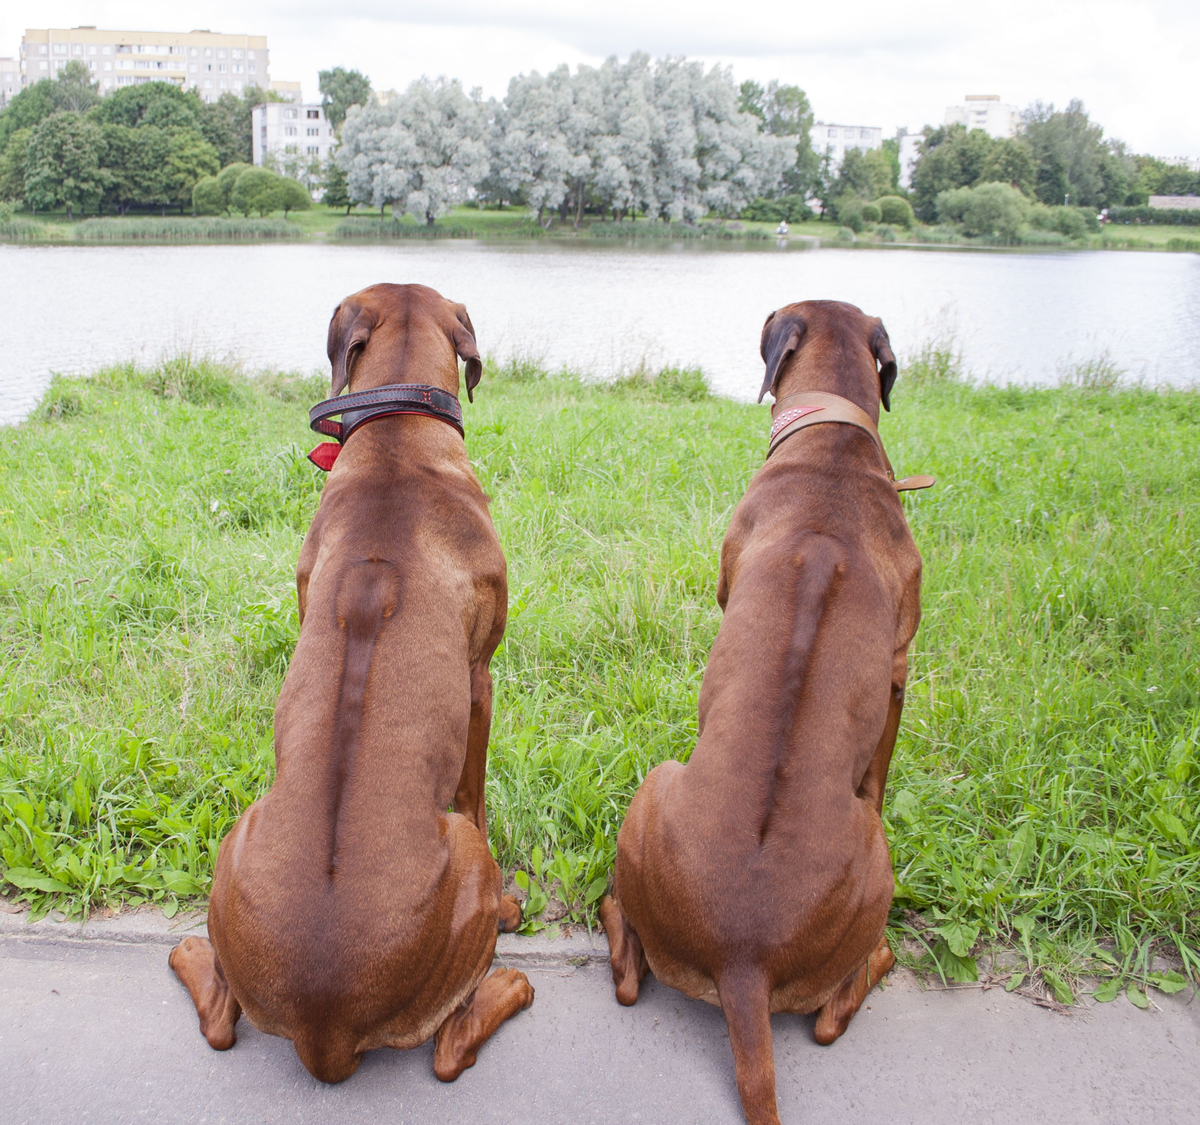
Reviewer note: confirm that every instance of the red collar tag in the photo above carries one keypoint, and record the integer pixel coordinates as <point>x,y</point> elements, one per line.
<point>789,416</point>
<point>325,454</point>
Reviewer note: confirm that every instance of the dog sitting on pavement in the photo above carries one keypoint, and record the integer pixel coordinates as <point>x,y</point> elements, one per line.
<point>758,877</point>
<point>349,910</point>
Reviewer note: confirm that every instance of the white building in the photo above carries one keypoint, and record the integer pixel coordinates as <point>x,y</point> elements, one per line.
<point>208,62</point>
<point>837,140</point>
<point>986,112</point>
<point>294,139</point>
<point>910,144</point>
<point>10,80</point>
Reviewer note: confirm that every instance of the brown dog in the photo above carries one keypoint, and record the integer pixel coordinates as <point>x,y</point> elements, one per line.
<point>757,877</point>
<point>349,911</point>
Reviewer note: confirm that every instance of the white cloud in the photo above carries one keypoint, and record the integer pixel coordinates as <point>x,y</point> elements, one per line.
<point>876,62</point>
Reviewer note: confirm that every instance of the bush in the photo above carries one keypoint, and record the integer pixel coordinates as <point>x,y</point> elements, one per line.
<point>848,211</point>
<point>895,210</point>
<point>886,233</point>
<point>1037,236</point>
<point>207,197</point>
<point>846,234</point>
<point>1155,216</point>
<point>1090,219</point>
<point>871,213</point>
<point>258,189</point>
<point>989,210</point>
<point>789,207</point>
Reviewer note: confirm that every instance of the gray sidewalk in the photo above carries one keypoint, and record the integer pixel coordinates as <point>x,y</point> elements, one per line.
<point>98,1030</point>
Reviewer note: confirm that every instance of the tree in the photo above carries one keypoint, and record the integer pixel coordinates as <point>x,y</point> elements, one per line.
<point>258,189</point>
<point>341,89</point>
<point>63,164</point>
<point>153,103</point>
<point>1073,158</point>
<point>227,123</point>
<point>76,91</point>
<point>189,158</point>
<point>422,151</point>
<point>29,108</point>
<point>135,166</point>
<point>991,210</point>
<point>227,178</point>
<point>532,158</point>
<point>784,111</point>
<point>12,165</point>
<point>334,183</point>
<point>293,196</point>
<point>950,157</point>
<point>1010,162</point>
<point>854,176</point>
<point>207,198</point>
<point>882,171</point>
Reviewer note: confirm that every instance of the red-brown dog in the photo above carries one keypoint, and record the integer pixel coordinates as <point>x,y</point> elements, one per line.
<point>349,911</point>
<point>757,877</point>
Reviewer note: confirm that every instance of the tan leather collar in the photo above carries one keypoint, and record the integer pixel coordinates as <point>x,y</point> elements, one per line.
<point>810,408</point>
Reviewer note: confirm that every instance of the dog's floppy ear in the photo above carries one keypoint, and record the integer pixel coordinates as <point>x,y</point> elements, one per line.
<point>349,330</point>
<point>781,336</point>
<point>468,351</point>
<point>881,347</point>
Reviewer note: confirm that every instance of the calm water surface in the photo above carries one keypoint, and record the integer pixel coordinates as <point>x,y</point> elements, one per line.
<point>600,309</point>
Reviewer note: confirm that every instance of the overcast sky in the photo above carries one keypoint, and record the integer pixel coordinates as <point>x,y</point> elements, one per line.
<point>876,62</point>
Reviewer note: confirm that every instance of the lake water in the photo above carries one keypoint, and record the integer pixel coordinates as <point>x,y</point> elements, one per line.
<point>598,308</point>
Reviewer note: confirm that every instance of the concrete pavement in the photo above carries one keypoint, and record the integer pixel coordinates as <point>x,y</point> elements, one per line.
<point>98,1030</point>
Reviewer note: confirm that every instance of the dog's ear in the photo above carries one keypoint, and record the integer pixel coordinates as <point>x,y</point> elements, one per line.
<point>781,336</point>
<point>881,347</point>
<point>349,330</point>
<point>468,351</point>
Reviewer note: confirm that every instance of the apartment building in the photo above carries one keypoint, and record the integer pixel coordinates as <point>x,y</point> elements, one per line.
<point>10,80</point>
<point>208,62</point>
<point>837,140</point>
<point>293,138</point>
<point>986,112</point>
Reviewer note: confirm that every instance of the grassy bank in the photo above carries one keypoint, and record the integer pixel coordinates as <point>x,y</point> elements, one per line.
<point>1043,794</point>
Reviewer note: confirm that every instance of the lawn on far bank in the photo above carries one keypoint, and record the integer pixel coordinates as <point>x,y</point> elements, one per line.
<point>1043,792</point>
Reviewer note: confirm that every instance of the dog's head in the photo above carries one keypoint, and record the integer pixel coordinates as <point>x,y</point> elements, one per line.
<point>401,334</point>
<point>842,342</point>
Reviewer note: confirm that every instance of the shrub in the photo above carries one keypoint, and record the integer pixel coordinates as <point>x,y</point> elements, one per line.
<point>789,207</point>
<point>1037,236</point>
<point>1066,221</point>
<point>871,213</point>
<point>1090,219</point>
<point>848,211</point>
<point>988,210</point>
<point>207,197</point>
<point>846,234</point>
<point>258,189</point>
<point>895,210</point>
<point>886,233</point>
<point>1156,216</point>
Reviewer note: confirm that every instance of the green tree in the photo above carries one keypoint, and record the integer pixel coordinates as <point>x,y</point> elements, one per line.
<point>153,103</point>
<point>189,158</point>
<point>950,157</point>
<point>895,210</point>
<point>227,179</point>
<point>227,123</point>
<point>784,111</point>
<point>881,171</point>
<point>12,165</point>
<point>1010,162</point>
<point>76,91</point>
<point>336,192</point>
<point>1073,158</point>
<point>340,89</point>
<point>854,176</point>
<point>258,189</point>
<point>29,108</point>
<point>206,197</point>
<point>62,166</point>
<point>293,196</point>
<point>990,210</point>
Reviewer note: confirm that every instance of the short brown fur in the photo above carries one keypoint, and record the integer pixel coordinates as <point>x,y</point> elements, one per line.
<point>349,911</point>
<point>758,876</point>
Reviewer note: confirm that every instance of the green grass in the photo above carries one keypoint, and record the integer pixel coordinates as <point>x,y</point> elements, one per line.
<point>1043,793</point>
<point>186,229</point>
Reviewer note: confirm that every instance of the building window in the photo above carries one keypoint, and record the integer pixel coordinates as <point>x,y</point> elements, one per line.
<point>194,52</point>
<point>312,114</point>
<point>290,131</point>
<point>235,53</point>
<point>237,68</point>
<point>208,83</point>
<point>864,134</point>
<point>312,150</point>
<point>221,67</point>
<point>220,52</point>
<point>833,132</point>
<point>249,54</point>
<point>106,51</point>
<point>91,50</point>
<point>290,148</point>
<point>208,52</point>
<point>41,48</point>
<point>60,48</point>
<point>42,65</point>
<point>77,49</point>
<point>252,68</point>
<point>193,67</point>
<point>289,113</point>
<point>312,132</point>
<point>107,65</point>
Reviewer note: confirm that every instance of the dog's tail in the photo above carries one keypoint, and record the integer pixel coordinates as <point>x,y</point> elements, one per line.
<point>745,995</point>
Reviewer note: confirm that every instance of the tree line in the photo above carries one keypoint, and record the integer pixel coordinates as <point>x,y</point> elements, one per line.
<point>63,145</point>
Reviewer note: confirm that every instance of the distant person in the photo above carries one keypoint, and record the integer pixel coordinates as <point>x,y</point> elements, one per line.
<point>782,229</point>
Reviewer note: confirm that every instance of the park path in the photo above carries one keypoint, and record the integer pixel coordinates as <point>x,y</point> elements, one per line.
<point>94,1028</point>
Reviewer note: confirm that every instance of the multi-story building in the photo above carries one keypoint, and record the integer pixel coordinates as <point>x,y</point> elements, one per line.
<point>910,145</point>
<point>208,62</point>
<point>10,80</point>
<point>289,91</point>
<point>986,112</point>
<point>293,138</point>
<point>837,140</point>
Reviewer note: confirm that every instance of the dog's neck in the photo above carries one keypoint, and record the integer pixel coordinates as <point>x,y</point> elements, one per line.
<point>846,379</point>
